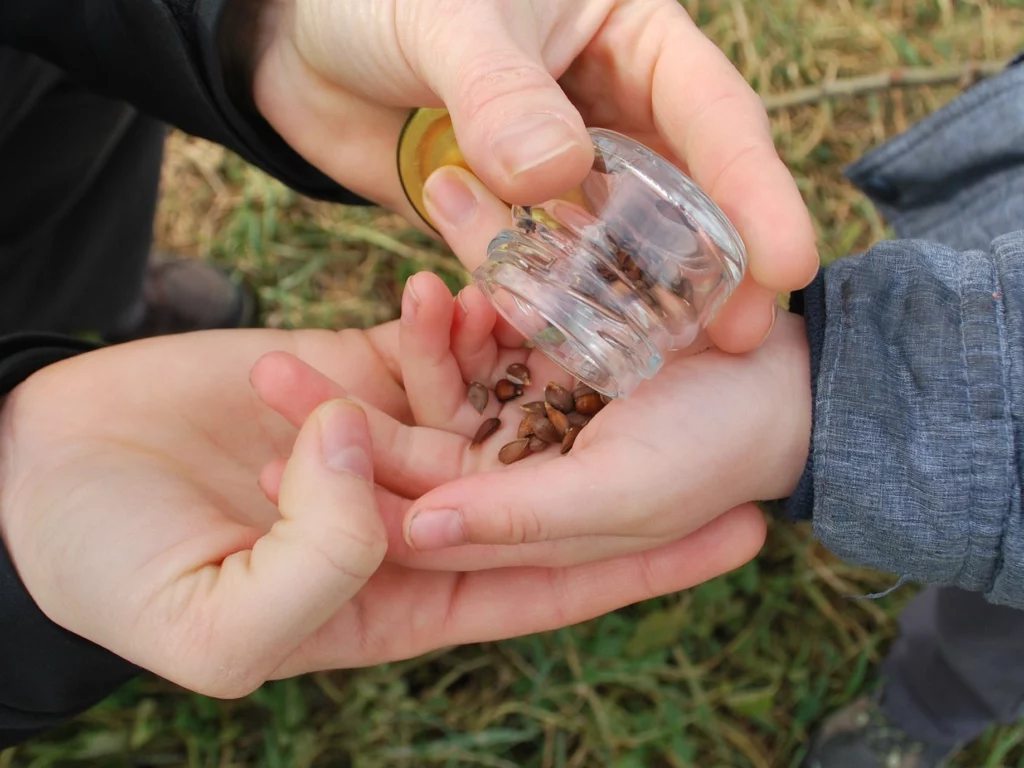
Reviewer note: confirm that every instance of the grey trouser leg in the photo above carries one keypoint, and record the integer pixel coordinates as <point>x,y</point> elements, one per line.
<point>79,177</point>
<point>957,667</point>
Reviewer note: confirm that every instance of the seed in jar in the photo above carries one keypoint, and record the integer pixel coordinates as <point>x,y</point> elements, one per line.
<point>526,426</point>
<point>536,445</point>
<point>683,288</point>
<point>569,439</point>
<point>606,273</point>
<point>518,374</point>
<point>514,451</point>
<point>477,394</point>
<point>546,430</point>
<point>559,397</point>
<point>537,406</point>
<point>674,213</point>
<point>505,390</point>
<point>488,428</point>
<point>558,420</point>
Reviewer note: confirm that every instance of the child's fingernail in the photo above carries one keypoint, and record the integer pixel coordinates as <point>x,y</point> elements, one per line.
<point>344,438</point>
<point>449,198</point>
<point>771,325</point>
<point>460,299</point>
<point>435,529</point>
<point>410,301</point>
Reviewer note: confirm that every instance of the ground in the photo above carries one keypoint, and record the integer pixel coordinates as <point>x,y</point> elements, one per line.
<point>733,673</point>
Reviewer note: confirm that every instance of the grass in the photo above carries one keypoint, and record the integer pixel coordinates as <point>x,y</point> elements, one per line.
<point>733,673</point>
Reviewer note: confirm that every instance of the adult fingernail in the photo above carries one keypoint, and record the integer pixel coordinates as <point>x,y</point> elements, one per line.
<point>449,198</point>
<point>532,141</point>
<point>410,301</point>
<point>436,529</point>
<point>343,438</point>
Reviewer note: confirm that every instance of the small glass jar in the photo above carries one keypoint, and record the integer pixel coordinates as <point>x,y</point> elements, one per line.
<point>611,277</point>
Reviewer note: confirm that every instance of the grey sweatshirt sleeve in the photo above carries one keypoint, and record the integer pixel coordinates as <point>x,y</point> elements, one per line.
<point>917,352</point>
<point>918,414</point>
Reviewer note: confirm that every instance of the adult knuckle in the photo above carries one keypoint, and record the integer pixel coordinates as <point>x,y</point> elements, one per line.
<point>488,78</point>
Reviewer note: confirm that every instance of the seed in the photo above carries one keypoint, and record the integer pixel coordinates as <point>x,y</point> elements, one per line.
<point>547,430</point>
<point>560,397</point>
<point>674,213</point>
<point>488,428</point>
<point>518,374</point>
<point>505,390</point>
<point>525,427</point>
<point>537,445</point>
<point>577,419</point>
<point>582,389</point>
<point>558,420</point>
<point>606,273</point>
<point>569,439</point>
<point>514,451</point>
<point>537,406</point>
<point>589,404</point>
<point>477,394</point>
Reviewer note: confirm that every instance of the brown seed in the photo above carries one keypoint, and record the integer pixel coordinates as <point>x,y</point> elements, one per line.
<point>514,451</point>
<point>589,404</point>
<point>606,273</point>
<point>488,428</point>
<point>577,419</point>
<point>518,374</point>
<point>537,406</point>
<point>560,397</point>
<point>537,445</point>
<point>477,395</point>
<point>526,426</point>
<point>505,390</point>
<point>569,439</point>
<point>546,430</point>
<point>558,419</point>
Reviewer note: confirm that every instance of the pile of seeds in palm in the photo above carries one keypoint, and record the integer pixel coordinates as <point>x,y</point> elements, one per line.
<point>555,420</point>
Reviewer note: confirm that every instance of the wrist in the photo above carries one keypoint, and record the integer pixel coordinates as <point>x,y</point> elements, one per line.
<point>792,400</point>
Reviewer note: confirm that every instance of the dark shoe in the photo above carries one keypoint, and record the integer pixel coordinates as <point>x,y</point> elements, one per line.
<point>183,295</point>
<point>860,736</point>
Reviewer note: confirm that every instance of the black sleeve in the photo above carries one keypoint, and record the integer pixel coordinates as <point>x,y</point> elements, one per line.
<point>809,303</point>
<point>47,674</point>
<point>165,58</point>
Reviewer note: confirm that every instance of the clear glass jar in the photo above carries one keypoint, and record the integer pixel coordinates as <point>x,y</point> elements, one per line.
<point>610,278</point>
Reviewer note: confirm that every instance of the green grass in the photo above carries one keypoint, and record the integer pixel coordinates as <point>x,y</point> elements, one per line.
<point>732,673</point>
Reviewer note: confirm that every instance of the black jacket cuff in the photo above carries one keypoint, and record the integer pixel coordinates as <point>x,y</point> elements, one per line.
<point>47,674</point>
<point>162,57</point>
<point>809,303</point>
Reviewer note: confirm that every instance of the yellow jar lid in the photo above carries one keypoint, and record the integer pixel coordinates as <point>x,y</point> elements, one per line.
<point>426,143</point>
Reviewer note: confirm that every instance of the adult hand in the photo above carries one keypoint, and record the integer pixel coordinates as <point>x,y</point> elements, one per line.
<point>522,82</point>
<point>708,433</point>
<point>131,508</point>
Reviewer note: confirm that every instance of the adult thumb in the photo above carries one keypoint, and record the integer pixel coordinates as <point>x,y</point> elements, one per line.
<point>515,126</point>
